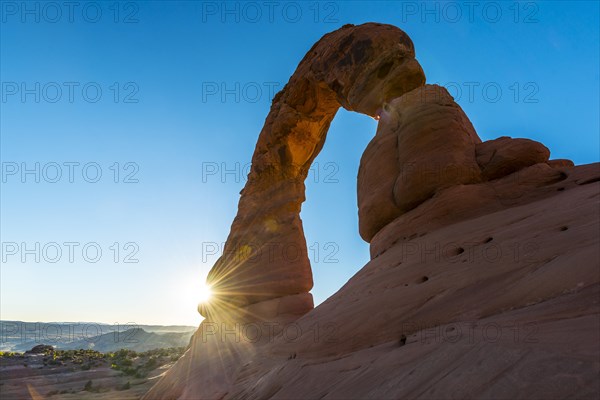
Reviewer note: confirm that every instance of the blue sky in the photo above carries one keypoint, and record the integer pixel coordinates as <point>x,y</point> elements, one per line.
<point>185,88</point>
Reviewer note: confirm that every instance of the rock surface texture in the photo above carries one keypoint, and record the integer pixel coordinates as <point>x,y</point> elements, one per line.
<point>484,279</point>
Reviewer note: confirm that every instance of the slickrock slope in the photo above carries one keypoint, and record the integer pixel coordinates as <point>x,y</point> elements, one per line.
<point>484,279</point>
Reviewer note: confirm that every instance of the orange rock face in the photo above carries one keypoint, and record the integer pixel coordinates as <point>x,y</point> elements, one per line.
<point>483,280</point>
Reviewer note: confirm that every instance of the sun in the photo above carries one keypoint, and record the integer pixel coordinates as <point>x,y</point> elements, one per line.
<point>204,293</point>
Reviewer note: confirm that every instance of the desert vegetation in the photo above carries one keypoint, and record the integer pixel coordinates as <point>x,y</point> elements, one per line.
<point>82,373</point>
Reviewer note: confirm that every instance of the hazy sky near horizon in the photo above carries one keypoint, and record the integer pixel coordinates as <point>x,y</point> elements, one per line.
<point>127,130</point>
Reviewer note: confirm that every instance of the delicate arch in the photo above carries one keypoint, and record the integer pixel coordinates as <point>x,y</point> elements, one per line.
<point>356,67</point>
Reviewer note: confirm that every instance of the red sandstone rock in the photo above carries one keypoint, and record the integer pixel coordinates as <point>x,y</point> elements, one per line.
<point>505,155</point>
<point>436,314</point>
<point>425,143</point>
<point>481,285</point>
<point>377,176</point>
<point>560,163</point>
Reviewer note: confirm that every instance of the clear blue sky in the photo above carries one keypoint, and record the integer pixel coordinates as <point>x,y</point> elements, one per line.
<point>171,59</point>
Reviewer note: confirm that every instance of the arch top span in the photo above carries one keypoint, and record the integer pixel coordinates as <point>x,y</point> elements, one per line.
<point>265,257</point>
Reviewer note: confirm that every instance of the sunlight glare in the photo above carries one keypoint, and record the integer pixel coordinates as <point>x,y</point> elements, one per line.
<point>204,293</point>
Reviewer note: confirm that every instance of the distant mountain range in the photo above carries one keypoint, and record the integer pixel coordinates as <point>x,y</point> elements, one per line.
<point>20,336</point>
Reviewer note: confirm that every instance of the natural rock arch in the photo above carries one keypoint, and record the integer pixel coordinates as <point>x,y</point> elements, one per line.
<point>356,67</point>
<point>426,168</point>
<point>424,144</point>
